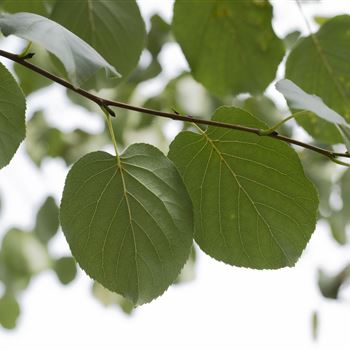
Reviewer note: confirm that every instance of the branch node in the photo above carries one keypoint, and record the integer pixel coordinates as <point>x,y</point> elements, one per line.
<point>28,56</point>
<point>107,109</point>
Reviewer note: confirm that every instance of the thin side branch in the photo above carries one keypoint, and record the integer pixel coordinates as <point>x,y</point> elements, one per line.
<point>175,116</point>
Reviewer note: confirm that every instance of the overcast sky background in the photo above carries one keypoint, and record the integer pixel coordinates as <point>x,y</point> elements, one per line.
<point>224,308</point>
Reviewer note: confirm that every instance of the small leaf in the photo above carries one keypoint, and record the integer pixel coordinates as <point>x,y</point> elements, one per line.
<point>253,205</point>
<point>299,99</point>
<point>230,45</point>
<point>129,226</point>
<point>9,311</point>
<point>81,61</point>
<point>12,116</point>
<point>65,269</point>
<point>47,222</point>
<point>330,284</point>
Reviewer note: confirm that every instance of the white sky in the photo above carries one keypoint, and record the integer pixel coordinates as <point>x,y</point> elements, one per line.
<point>225,308</point>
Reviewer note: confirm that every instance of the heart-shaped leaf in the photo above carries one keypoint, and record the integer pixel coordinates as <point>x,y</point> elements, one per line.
<point>129,226</point>
<point>253,205</point>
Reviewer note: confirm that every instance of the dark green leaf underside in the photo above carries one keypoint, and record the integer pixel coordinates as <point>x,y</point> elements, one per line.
<point>128,227</point>
<point>253,205</point>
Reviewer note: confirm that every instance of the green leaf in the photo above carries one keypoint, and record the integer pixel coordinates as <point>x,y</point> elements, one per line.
<point>299,99</point>
<point>158,35</point>
<point>253,205</point>
<point>319,65</point>
<point>338,222</point>
<point>23,254</point>
<point>80,60</point>
<point>315,325</point>
<point>40,7</point>
<point>47,221</point>
<point>9,311</point>
<point>318,128</point>
<point>229,45</point>
<point>43,141</point>
<point>114,28</point>
<point>330,285</point>
<point>109,298</point>
<point>291,38</point>
<point>12,116</point>
<point>65,269</point>
<point>129,227</point>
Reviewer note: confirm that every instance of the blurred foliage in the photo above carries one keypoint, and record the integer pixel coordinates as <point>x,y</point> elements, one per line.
<point>291,38</point>
<point>26,253</point>
<point>47,221</point>
<point>9,311</point>
<point>65,269</point>
<point>44,141</point>
<point>330,284</point>
<point>315,325</point>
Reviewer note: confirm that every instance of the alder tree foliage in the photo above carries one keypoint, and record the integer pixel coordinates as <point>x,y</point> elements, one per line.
<point>239,180</point>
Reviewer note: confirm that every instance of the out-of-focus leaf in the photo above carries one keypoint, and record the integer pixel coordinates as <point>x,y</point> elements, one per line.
<point>65,269</point>
<point>80,60</point>
<point>338,222</point>
<point>47,222</point>
<point>320,20</point>
<point>319,65</point>
<point>330,285</point>
<point>12,116</point>
<point>114,28</point>
<point>291,39</point>
<point>319,129</point>
<point>40,7</point>
<point>315,325</point>
<point>13,280</point>
<point>345,192</point>
<point>23,254</point>
<point>108,298</point>
<point>158,35</point>
<point>229,45</point>
<point>9,311</point>
<point>320,171</point>
<point>43,141</point>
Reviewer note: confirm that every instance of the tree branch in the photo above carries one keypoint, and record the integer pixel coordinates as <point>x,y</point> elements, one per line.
<point>186,118</point>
